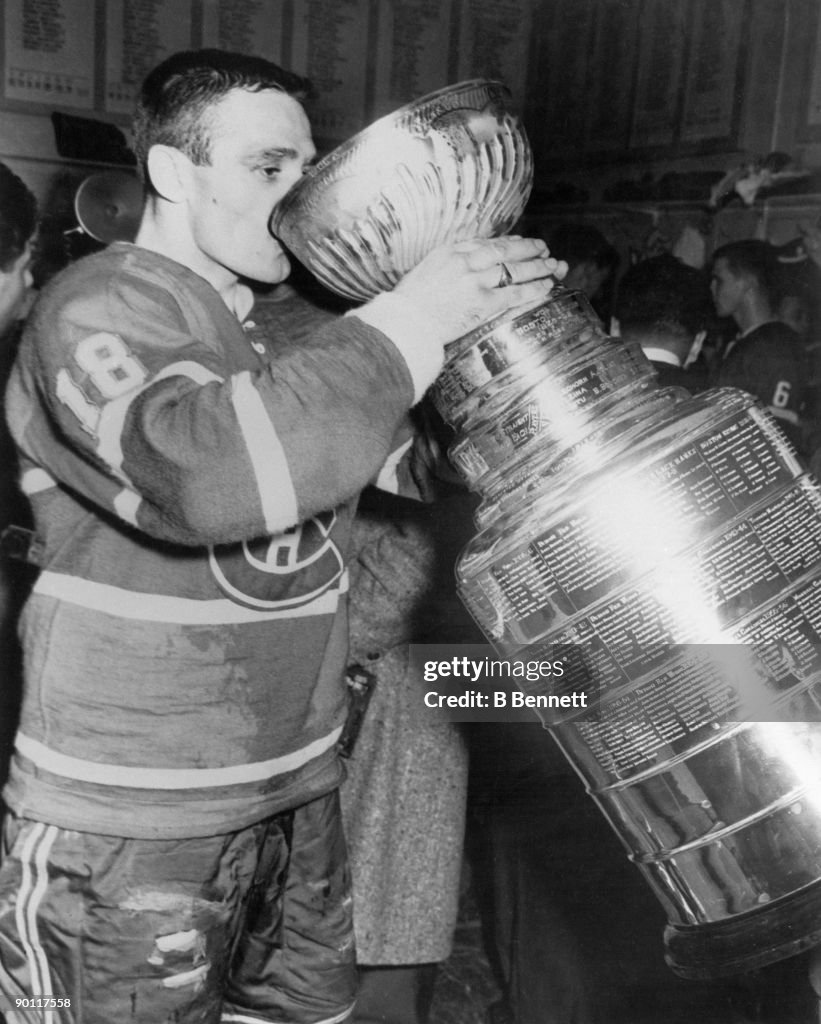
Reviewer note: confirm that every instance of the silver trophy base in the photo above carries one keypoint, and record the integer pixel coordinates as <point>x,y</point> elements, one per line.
<point>760,937</point>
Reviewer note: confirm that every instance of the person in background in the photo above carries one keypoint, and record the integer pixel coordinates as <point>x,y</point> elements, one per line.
<point>800,308</point>
<point>18,220</point>
<point>810,246</point>
<point>575,932</point>
<point>18,223</point>
<point>797,304</point>
<point>403,801</point>
<point>591,260</point>
<point>173,848</point>
<point>766,358</point>
<point>665,307</point>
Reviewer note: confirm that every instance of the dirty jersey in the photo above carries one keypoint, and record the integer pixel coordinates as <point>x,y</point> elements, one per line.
<point>180,680</point>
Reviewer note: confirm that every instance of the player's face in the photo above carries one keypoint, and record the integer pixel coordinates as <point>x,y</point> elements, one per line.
<point>260,146</point>
<point>15,288</point>
<point>727,288</point>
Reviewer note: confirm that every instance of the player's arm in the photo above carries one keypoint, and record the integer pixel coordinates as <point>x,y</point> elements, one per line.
<point>138,417</point>
<point>119,398</point>
<point>287,319</point>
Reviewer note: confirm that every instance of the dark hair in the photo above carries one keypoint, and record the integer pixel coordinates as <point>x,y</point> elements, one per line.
<point>178,95</point>
<point>18,217</point>
<point>799,277</point>
<point>577,243</point>
<point>665,295</point>
<point>756,258</point>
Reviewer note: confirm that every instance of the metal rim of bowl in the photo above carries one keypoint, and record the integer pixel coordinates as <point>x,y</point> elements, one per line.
<point>291,198</point>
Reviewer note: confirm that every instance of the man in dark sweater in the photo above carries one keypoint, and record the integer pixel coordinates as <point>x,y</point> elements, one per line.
<point>18,220</point>
<point>767,357</point>
<point>665,307</point>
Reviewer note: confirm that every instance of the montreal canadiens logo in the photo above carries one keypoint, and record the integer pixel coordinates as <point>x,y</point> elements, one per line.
<point>285,571</point>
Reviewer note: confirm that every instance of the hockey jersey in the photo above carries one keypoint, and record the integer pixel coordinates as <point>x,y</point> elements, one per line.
<point>770,363</point>
<point>185,641</point>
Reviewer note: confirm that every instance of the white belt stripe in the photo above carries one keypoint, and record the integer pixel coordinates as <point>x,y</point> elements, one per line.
<point>34,859</point>
<point>131,604</point>
<point>276,489</point>
<point>241,1018</point>
<point>167,778</point>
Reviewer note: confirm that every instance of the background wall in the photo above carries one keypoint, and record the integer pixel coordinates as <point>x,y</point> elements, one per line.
<point>635,108</point>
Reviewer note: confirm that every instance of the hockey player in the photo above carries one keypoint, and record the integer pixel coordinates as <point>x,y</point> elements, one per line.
<point>174,850</point>
<point>767,357</point>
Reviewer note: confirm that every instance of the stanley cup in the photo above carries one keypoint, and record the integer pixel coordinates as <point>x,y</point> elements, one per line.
<point>668,547</point>
<point>452,166</point>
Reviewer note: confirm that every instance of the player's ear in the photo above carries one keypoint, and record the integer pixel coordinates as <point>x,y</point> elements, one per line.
<point>169,171</point>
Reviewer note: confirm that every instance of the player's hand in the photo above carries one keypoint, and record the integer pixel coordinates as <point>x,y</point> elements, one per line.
<point>464,284</point>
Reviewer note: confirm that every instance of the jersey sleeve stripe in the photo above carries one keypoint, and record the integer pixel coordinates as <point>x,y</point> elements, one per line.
<point>129,604</point>
<point>133,777</point>
<point>34,481</point>
<point>241,1018</point>
<point>273,475</point>
<point>388,479</point>
<point>112,417</point>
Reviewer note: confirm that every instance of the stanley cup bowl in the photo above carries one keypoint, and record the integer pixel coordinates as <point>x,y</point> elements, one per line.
<point>451,166</point>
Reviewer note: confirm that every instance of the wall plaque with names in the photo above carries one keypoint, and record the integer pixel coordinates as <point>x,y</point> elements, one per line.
<point>140,34</point>
<point>814,99</point>
<point>662,41</point>
<point>413,42</point>
<point>558,97</point>
<point>712,72</point>
<point>245,26</point>
<point>49,52</point>
<point>611,70</point>
<point>330,47</point>
<point>495,42</point>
